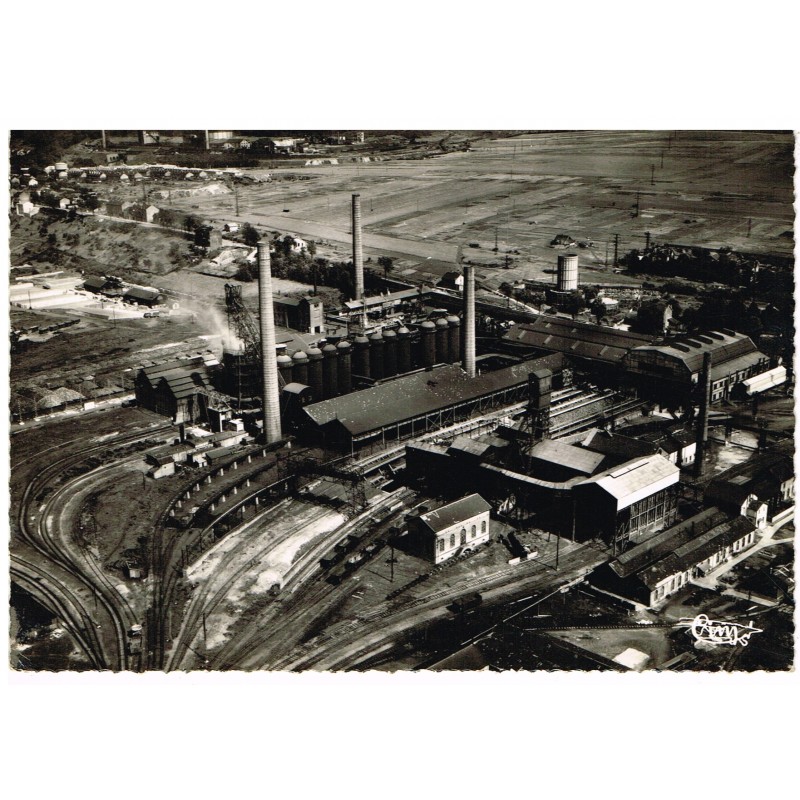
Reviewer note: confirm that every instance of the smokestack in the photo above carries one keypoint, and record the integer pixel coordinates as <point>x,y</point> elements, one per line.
<point>358,254</point>
<point>207,141</point>
<point>103,137</point>
<point>269,396</point>
<point>702,420</point>
<point>468,356</point>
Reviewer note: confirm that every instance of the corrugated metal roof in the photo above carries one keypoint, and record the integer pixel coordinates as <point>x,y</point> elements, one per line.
<point>576,338</point>
<point>722,346</point>
<point>413,395</point>
<point>618,446</point>
<point>567,455</point>
<point>636,479</point>
<point>453,513</point>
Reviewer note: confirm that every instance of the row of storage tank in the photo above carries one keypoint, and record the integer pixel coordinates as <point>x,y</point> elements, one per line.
<point>330,370</point>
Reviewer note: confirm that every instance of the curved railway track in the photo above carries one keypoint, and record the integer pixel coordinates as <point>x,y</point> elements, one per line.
<point>34,529</point>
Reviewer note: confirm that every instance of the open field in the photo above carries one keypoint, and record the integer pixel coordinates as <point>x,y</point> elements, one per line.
<point>709,189</point>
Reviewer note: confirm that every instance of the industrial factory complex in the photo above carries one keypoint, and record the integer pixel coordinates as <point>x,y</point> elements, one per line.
<point>340,463</point>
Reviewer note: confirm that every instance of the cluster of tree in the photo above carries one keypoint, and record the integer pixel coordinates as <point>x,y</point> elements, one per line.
<point>305,267</point>
<point>709,266</point>
<point>44,147</point>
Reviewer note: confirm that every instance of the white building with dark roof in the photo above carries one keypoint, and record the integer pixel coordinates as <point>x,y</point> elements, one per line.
<point>454,528</point>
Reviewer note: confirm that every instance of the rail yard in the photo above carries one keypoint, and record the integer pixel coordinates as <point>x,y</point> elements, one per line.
<point>348,401</point>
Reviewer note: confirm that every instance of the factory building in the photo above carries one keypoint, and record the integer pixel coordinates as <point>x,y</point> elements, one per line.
<point>656,569</point>
<point>592,347</point>
<point>143,296</point>
<point>629,502</point>
<point>453,529</point>
<point>766,479</point>
<point>417,402</point>
<point>177,389</point>
<point>305,314</point>
<point>675,366</point>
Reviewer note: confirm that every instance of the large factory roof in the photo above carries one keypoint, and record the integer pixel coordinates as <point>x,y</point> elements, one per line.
<point>636,479</point>
<point>567,455</point>
<point>723,346</point>
<point>576,339</point>
<point>414,395</point>
<point>452,514</point>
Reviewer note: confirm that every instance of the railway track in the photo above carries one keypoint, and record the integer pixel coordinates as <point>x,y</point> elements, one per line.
<point>64,604</point>
<point>50,544</point>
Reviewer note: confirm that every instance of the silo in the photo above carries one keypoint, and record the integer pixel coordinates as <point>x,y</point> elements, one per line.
<point>442,341</point>
<point>428,331</point>
<point>315,371</point>
<point>568,273</point>
<point>285,368</point>
<point>345,369</point>
<point>361,356</point>
<point>454,339</point>
<point>389,354</point>
<point>403,350</point>
<point>376,355</point>
<point>330,378</point>
<point>300,368</point>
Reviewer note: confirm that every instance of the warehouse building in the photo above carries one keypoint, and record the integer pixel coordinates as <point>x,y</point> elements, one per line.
<point>177,389</point>
<point>305,314</point>
<point>629,502</point>
<point>591,346</point>
<point>675,367</point>
<point>658,568</point>
<point>417,402</point>
<point>454,528</point>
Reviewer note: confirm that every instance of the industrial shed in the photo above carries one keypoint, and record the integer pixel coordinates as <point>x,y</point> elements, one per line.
<point>591,344</point>
<point>143,296</point>
<point>677,365</point>
<point>417,402</point>
<point>628,502</point>
<point>176,389</point>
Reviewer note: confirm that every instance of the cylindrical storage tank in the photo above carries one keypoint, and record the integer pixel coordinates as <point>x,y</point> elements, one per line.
<point>376,355</point>
<point>361,356</point>
<point>300,368</point>
<point>442,341</point>
<point>428,330</point>
<point>345,368</point>
<point>389,354</point>
<point>315,371</point>
<point>330,379</point>
<point>454,339</point>
<point>568,273</point>
<point>403,349</point>
<point>285,368</point>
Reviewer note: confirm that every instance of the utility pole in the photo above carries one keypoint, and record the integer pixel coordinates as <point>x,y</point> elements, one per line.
<point>749,227</point>
<point>205,638</point>
<point>616,249</point>
<point>647,241</point>
<point>637,203</point>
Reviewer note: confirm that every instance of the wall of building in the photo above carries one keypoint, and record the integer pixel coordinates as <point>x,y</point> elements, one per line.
<point>446,543</point>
